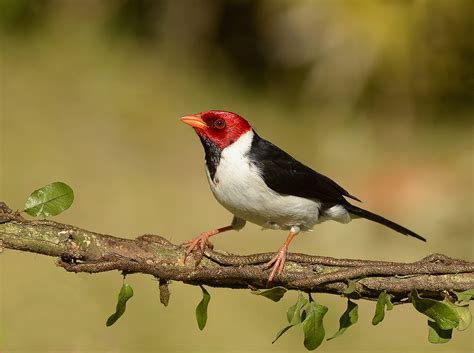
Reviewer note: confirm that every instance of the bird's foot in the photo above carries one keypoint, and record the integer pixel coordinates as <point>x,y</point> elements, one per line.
<point>200,242</point>
<point>277,263</point>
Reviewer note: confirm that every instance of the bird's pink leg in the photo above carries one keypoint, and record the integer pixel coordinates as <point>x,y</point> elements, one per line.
<point>202,240</point>
<point>278,261</point>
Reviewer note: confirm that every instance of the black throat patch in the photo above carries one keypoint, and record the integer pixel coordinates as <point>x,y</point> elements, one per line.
<point>213,155</point>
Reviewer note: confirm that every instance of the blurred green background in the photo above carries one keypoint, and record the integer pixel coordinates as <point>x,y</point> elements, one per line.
<point>376,94</point>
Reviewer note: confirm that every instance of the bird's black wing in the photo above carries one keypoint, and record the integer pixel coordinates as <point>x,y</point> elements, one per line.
<point>285,175</point>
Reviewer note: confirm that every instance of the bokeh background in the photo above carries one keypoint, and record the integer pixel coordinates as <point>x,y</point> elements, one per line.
<point>376,94</point>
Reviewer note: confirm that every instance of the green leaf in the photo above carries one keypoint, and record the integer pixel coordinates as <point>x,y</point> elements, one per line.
<point>293,315</point>
<point>348,318</point>
<point>201,309</point>
<point>313,325</point>
<point>465,317</point>
<point>466,296</point>
<point>462,310</point>
<point>351,287</point>
<point>275,293</point>
<point>388,302</point>
<point>126,292</point>
<point>382,301</point>
<point>281,332</point>
<point>444,314</point>
<point>436,334</point>
<point>294,312</point>
<point>50,200</point>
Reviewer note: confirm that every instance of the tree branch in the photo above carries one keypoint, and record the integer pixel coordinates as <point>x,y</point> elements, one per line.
<point>79,250</point>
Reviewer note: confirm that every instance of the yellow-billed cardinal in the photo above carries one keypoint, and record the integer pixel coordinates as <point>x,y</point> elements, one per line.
<point>260,183</point>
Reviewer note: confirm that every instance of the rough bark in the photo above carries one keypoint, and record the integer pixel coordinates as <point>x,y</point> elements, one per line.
<point>79,250</point>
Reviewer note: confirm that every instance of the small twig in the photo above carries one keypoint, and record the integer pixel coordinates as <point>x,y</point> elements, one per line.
<point>224,258</point>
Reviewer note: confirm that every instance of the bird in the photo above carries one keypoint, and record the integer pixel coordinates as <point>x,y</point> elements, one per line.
<point>260,183</point>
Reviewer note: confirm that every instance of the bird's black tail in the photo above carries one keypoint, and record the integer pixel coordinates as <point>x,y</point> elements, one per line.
<point>357,211</point>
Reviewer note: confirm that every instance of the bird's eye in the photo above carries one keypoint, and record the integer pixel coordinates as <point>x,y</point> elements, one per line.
<point>219,123</point>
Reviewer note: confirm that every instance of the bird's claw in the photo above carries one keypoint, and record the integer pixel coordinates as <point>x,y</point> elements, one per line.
<point>277,264</point>
<point>201,242</point>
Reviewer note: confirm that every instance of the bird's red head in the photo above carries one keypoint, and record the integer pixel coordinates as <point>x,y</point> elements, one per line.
<point>221,127</point>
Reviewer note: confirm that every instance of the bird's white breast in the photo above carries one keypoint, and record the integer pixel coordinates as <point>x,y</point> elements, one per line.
<point>239,187</point>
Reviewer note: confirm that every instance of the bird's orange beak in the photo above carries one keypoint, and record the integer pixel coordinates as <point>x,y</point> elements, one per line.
<point>194,120</point>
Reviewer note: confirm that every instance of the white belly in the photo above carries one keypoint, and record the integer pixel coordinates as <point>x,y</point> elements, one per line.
<point>243,192</point>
